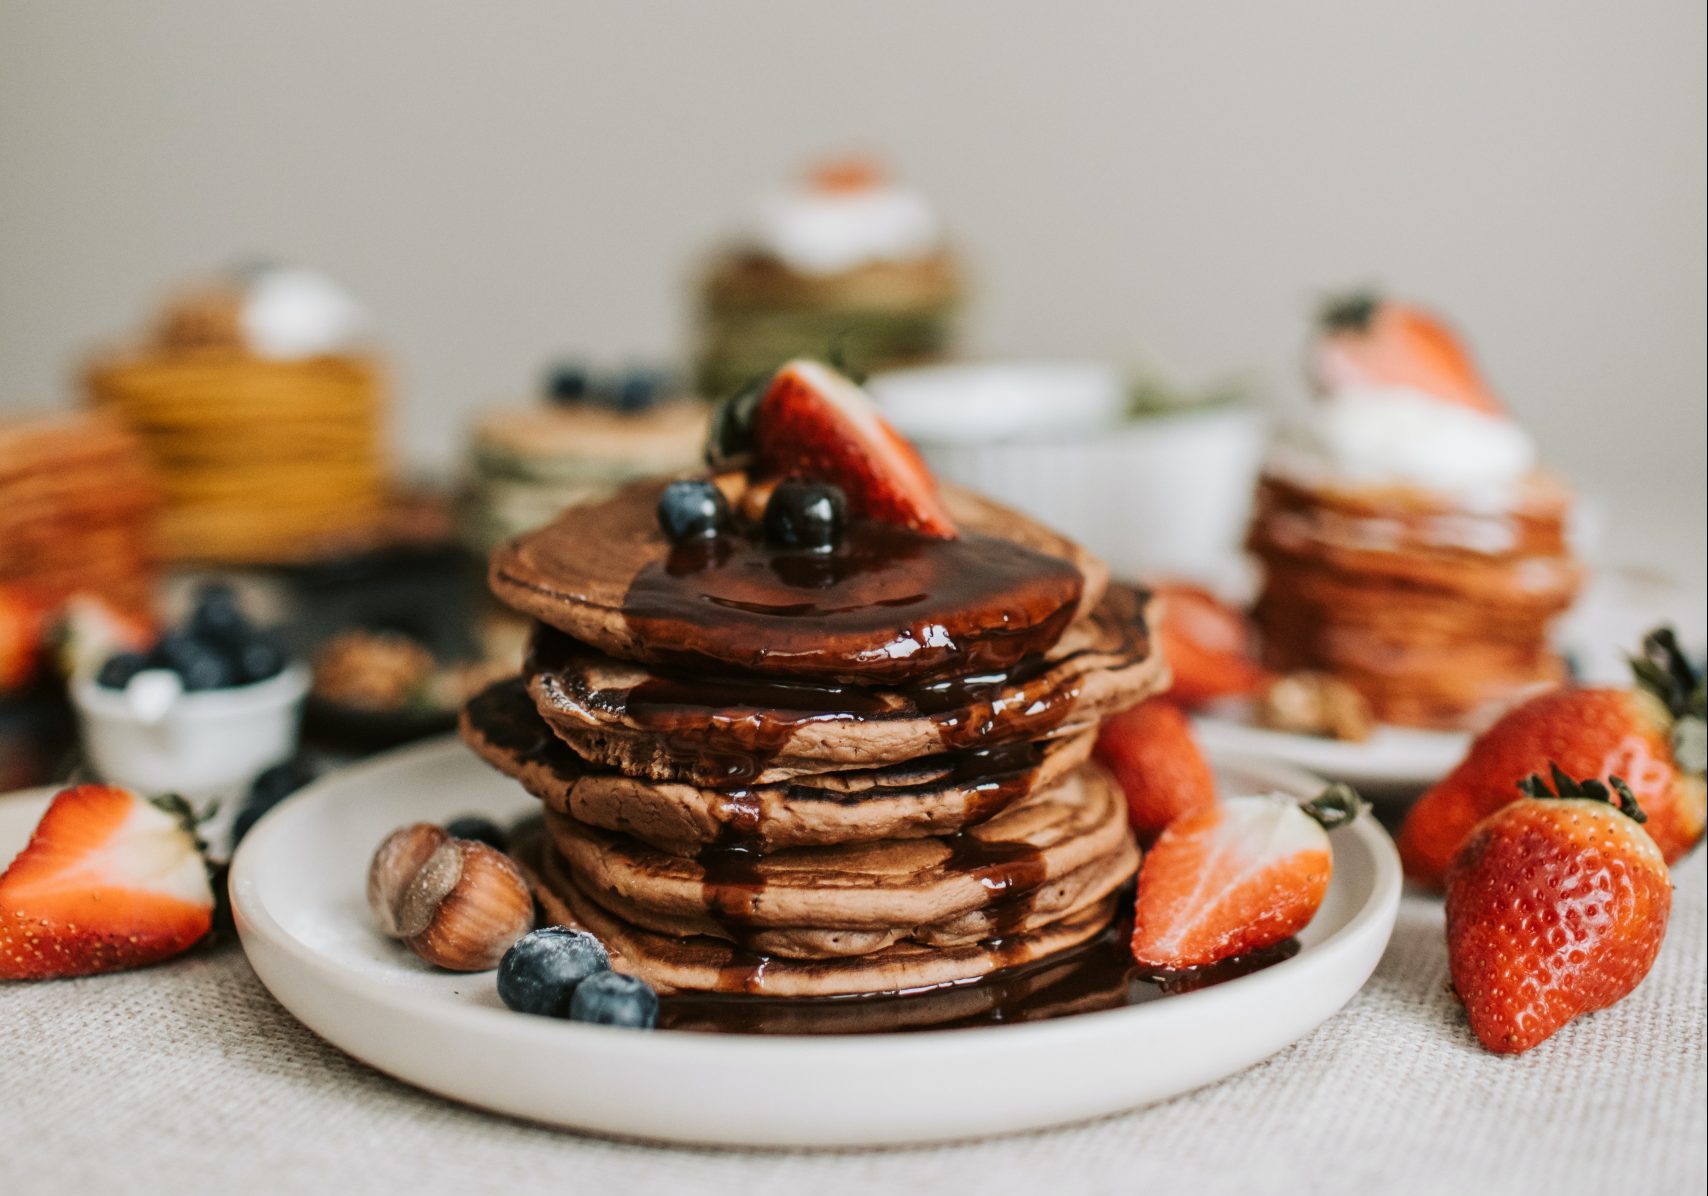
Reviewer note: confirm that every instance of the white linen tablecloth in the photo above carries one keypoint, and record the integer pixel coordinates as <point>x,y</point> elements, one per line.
<point>189,1078</point>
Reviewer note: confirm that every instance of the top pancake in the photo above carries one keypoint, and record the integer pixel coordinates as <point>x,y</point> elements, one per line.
<point>887,606</point>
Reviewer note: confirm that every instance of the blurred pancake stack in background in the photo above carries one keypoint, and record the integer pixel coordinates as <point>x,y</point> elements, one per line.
<point>260,414</point>
<point>1411,544</point>
<point>77,512</point>
<point>590,436</point>
<point>846,264</point>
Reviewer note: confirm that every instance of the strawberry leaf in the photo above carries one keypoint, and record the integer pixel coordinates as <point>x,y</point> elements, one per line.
<point>1335,806</point>
<point>1350,313</point>
<point>1662,670</point>
<point>1564,788</point>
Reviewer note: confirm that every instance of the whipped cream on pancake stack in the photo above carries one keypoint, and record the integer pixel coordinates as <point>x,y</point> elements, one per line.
<point>810,726</point>
<point>1411,545</point>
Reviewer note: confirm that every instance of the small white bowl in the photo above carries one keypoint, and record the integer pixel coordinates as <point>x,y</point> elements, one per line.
<point>205,746</point>
<point>979,402</point>
<point>1156,495</point>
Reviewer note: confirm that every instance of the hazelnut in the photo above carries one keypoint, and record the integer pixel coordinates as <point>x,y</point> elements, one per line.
<point>1316,704</point>
<point>456,903</point>
<point>732,484</point>
<point>395,863</point>
<point>755,499</point>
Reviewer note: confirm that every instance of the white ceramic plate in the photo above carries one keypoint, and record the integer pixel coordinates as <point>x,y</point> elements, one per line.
<point>297,888</point>
<point>1393,764</point>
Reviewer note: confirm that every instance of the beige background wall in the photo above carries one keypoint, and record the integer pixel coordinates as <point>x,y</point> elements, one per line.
<point>503,182</point>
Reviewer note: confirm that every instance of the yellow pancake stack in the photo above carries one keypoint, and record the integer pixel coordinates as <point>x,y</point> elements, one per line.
<point>261,455</point>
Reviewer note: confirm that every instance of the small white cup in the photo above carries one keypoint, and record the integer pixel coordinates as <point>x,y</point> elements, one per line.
<point>206,746</point>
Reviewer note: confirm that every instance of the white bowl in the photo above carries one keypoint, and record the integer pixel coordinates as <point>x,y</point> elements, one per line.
<point>1159,495</point>
<point>985,401</point>
<point>205,746</point>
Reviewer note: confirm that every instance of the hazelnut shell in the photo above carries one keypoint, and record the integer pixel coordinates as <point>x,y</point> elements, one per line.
<point>395,863</point>
<point>464,907</point>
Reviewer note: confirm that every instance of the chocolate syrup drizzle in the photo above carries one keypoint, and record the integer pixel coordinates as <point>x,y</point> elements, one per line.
<point>955,631</point>
<point>731,726</point>
<point>887,605</point>
<point>1097,975</point>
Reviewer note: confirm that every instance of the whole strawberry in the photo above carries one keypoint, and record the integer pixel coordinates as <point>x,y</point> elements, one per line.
<point>1650,735</point>
<point>1152,754</point>
<point>1556,906</point>
<point>1208,646</point>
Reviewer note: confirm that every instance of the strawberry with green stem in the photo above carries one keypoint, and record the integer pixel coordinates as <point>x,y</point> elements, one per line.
<point>1651,735</point>
<point>1556,906</point>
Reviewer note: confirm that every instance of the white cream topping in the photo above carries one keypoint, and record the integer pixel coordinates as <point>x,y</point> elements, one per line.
<point>820,231</point>
<point>289,312</point>
<point>1402,436</point>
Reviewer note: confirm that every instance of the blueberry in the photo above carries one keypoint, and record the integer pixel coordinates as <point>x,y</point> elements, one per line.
<point>692,509</point>
<point>544,968</point>
<point>804,514</point>
<point>257,658</point>
<point>729,436</point>
<point>567,383</point>
<point>118,670</point>
<point>613,999</point>
<point>217,617</point>
<point>199,664</point>
<point>267,791</point>
<point>638,390</point>
<point>481,830</point>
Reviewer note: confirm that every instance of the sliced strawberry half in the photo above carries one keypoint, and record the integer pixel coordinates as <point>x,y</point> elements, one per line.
<point>108,881</point>
<point>1371,341</point>
<point>1236,877</point>
<point>814,422</point>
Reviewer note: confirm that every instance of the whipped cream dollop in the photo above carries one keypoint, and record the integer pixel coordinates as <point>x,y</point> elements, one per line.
<point>1402,436</point>
<point>818,230</point>
<point>290,312</point>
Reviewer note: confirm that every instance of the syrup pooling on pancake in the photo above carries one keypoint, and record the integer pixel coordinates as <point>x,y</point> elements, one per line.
<point>888,606</point>
<point>911,604</point>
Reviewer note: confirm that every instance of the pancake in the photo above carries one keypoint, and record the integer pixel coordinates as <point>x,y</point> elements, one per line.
<point>998,865</point>
<point>734,730</point>
<point>890,606</point>
<point>1440,616</point>
<point>936,795</point>
<point>671,964</point>
<point>1055,899</point>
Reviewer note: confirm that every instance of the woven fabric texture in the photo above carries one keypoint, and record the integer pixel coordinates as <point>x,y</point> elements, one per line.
<point>189,1079</point>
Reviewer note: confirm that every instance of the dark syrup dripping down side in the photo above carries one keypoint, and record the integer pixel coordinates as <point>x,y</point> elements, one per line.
<point>1099,975</point>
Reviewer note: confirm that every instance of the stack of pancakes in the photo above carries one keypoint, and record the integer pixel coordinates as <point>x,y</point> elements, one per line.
<point>525,465</point>
<point>755,311</point>
<point>259,458</point>
<point>1440,615</point>
<point>797,774</point>
<point>77,511</point>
